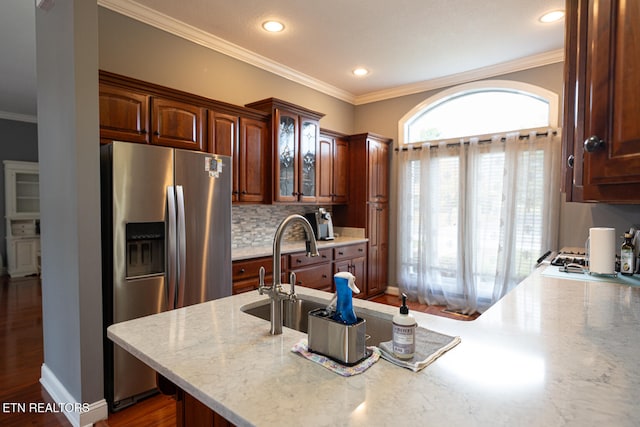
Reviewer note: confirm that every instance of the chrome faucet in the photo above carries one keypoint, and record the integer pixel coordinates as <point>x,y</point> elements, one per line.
<point>276,291</point>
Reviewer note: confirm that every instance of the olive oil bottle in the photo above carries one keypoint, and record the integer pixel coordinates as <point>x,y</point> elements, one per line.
<point>627,259</point>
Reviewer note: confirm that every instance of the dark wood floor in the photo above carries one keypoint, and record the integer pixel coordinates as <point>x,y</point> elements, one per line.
<point>21,358</point>
<point>436,310</point>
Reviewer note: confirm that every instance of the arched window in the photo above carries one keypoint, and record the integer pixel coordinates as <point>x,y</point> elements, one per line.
<point>478,192</point>
<point>480,108</point>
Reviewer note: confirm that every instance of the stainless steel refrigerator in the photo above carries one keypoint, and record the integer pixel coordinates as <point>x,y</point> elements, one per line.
<point>166,240</point>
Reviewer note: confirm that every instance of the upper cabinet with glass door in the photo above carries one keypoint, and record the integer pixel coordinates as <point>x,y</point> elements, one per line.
<point>295,136</point>
<point>309,140</point>
<point>22,189</point>
<point>286,150</point>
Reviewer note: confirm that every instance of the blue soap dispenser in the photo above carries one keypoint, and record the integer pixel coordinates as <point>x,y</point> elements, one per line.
<point>345,286</point>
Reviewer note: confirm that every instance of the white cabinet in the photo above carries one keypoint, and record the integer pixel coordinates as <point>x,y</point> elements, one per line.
<point>22,213</point>
<point>22,256</point>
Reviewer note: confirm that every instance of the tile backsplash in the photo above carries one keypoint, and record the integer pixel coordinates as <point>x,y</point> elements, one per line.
<point>255,225</point>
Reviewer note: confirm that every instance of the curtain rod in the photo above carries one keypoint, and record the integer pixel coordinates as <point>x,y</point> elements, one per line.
<point>481,141</point>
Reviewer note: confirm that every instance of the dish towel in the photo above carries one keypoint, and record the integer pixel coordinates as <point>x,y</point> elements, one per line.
<point>346,371</point>
<point>429,346</point>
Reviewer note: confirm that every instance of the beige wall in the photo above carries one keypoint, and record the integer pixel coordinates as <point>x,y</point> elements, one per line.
<point>137,50</point>
<point>140,51</point>
<point>382,117</point>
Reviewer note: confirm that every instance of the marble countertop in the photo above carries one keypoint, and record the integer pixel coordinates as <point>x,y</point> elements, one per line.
<point>552,352</point>
<point>287,247</point>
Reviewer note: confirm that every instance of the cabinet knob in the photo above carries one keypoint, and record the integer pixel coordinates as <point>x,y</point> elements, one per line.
<point>143,132</point>
<point>156,133</point>
<point>340,253</point>
<point>571,161</point>
<point>593,143</point>
<point>242,270</point>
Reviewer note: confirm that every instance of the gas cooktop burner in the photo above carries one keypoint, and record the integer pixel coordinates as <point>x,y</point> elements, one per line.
<point>565,258</point>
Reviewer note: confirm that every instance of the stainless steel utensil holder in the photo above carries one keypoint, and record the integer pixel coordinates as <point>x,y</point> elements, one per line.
<point>342,343</point>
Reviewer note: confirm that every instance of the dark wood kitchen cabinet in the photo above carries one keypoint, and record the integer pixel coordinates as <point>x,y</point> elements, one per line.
<point>177,124</point>
<point>190,412</point>
<point>368,205</point>
<point>333,159</point>
<point>253,161</point>
<point>295,138</point>
<point>378,170</point>
<point>352,259</point>
<point>340,170</point>
<point>245,273</point>
<point>245,140</point>
<point>325,170</point>
<point>312,272</point>
<point>378,233</point>
<point>141,112</point>
<point>123,114</point>
<point>601,146</point>
<point>223,133</point>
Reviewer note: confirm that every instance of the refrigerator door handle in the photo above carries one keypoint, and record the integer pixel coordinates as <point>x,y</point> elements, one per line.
<point>171,248</point>
<point>182,246</point>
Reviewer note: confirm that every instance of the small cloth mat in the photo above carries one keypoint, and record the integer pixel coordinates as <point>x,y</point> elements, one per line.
<point>346,371</point>
<point>429,346</point>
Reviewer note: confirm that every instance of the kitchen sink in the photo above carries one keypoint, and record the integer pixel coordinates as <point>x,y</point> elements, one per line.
<point>294,316</point>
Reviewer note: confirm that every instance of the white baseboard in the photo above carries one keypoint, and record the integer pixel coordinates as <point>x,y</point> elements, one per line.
<point>392,290</point>
<point>79,414</point>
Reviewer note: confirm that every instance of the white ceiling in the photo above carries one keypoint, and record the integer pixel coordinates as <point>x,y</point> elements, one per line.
<point>408,45</point>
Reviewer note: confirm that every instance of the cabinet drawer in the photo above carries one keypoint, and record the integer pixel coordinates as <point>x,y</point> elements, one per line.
<point>247,285</point>
<point>301,259</point>
<point>249,268</point>
<point>316,277</point>
<point>351,251</point>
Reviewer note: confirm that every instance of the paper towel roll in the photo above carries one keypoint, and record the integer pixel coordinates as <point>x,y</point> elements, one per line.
<point>602,250</point>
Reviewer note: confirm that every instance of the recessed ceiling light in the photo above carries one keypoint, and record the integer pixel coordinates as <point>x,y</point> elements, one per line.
<point>552,16</point>
<point>273,26</point>
<point>360,72</point>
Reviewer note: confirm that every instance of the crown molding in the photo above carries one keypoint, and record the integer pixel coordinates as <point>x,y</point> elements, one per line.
<point>166,23</point>
<point>195,35</point>
<point>7,115</point>
<point>520,64</point>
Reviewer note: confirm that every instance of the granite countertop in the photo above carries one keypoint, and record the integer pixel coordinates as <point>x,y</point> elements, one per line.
<point>288,247</point>
<point>552,352</point>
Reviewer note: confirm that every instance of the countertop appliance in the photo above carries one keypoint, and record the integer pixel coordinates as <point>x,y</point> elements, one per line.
<point>166,243</point>
<point>321,223</point>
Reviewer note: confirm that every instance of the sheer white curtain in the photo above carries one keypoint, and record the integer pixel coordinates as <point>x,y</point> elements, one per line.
<point>473,218</point>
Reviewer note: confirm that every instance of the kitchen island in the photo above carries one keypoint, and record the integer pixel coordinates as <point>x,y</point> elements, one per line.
<point>552,352</point>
